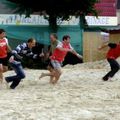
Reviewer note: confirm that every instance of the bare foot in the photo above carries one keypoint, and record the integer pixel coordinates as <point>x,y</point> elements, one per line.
<point>110,79</point>
<point>1,86</point>
<point>51,79</point>
<point>1,82</point>
<point>53,82</point>
<point>42,75</point>
<point>7,85</point>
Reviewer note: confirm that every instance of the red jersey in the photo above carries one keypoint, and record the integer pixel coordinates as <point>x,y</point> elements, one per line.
<point>58,54</point>
<point>3,48</point>
<point>114,53</point>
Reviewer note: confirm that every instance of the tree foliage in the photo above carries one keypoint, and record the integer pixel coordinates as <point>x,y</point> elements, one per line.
<point>55,9</point>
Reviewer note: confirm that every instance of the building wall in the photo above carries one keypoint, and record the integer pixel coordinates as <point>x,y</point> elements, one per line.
<point>115,38</point>
<point>91,42</point>
<point>118,16</point>
<point>106,7</point>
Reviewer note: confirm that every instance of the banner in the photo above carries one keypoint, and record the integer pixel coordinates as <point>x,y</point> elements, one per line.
<point>101,21</point>
<point>15,19</point>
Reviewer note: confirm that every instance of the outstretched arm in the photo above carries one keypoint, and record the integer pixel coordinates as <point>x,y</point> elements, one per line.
<point>103,46</point>
<point>9,48</point>
<point>76,54</point>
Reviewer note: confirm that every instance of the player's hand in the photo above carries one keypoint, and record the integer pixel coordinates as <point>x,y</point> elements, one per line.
<point>18,56</point>
<point>35,56</point>
<point>99,48</point>
<point>24,51</point>
<point>79,56</point>
<point>47,55</point>
<point>70,50</point>
<point>11,59</point>
<point>42,55</point>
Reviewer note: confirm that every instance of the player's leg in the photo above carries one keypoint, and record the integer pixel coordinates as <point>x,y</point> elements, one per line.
<point>51,69</point>
<point>57,70</point>
<point>17,67</point>
<point>1,73</point>
<point>114,69</point>
<point>50,74</point>
<point>57,75</point>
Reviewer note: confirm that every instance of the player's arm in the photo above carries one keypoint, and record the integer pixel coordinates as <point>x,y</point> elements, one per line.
<point>75,53</point>
<point>9,48</point>
<point>16,51</point>
<point>110,45</point>
<point>103,46</point>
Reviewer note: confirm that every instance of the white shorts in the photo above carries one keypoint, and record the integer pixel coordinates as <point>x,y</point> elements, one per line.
<point>56,64</point>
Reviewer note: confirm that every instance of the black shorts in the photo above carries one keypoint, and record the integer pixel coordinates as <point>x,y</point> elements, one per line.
<point>4,61</point>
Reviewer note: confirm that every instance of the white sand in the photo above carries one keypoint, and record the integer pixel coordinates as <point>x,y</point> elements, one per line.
<point>79,95</point>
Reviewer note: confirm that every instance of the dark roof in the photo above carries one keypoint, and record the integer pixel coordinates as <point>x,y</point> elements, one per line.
<point>108,29</point>
<point>113,28</point>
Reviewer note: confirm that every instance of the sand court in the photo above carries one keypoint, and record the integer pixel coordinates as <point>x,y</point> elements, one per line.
<point>79,95</point>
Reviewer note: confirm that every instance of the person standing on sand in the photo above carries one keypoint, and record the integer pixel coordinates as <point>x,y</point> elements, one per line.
<point>58,57</point>
<point>54,42</point>
<point>4,49</point>
<point>112,55</point>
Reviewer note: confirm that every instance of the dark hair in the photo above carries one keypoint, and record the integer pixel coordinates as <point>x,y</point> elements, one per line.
<point>65,37</point>
<point>112,45</point>
<point>1,31</point>
<point>55,35</point>
<point>30,40</point>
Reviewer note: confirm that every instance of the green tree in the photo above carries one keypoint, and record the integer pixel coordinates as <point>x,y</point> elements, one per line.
<point>55,9</point>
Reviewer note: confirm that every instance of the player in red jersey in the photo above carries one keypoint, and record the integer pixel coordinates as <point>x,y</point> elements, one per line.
<point>58,57</point>
<point>4,48</point>
<point>112,55</point>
